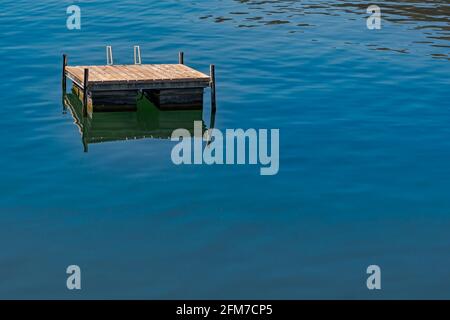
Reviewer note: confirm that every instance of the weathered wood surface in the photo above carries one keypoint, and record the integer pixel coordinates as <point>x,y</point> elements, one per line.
<point>144,76</point>
<point>80,94</point>
<point>108,101</point>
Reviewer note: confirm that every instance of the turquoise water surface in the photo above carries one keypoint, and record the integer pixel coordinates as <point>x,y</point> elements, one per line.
<point>364,119</point>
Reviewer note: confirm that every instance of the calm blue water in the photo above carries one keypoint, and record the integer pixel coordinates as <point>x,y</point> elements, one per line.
<point>364,119</point>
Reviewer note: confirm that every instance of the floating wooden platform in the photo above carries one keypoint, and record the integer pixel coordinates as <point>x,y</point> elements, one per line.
<point>138,77</point>
<point>168,86</point>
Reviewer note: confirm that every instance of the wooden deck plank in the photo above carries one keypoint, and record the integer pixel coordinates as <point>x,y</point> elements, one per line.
<point>154,72</point>
<point>105,76</point>
<point>137,72</point>
<point>113,74</point>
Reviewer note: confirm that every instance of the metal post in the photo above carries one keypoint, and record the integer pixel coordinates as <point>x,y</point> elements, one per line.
<point>181,57</point>
<point>85,91</point>
<point>109,56</point>
<point>137,55</point>
<point>212,84</point>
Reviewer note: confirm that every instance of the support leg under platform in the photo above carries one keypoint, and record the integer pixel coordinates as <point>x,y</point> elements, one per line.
<point>176,99</point>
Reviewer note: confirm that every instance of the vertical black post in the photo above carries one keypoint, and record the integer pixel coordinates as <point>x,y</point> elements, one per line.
<point>84,132</point>
<point>64,79</point>
<point>181,57</point>
<point>212,74</point>
<point>85,91</point>
<point>212,123</point>
<point>64,82</point>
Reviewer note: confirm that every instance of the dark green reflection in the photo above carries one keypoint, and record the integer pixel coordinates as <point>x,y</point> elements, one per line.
<point>146,122</point>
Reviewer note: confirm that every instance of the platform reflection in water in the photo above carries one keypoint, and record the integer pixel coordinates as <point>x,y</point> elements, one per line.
<point>147,121</point>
